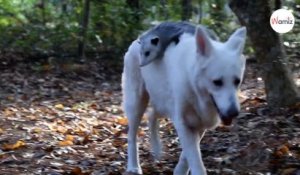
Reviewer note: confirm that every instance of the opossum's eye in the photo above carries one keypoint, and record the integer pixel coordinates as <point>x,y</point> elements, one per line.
<point>218,82</point>
<point>155,41</point>
<point>236,81</point>
<point>147,53</point>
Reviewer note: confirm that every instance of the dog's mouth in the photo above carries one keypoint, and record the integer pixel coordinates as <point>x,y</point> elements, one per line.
<point>225,120</point>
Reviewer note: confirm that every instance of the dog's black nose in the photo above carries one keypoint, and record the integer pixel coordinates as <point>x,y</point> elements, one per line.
<point>232,112</point>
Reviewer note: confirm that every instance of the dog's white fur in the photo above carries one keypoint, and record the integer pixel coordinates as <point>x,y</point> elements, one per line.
<point>181,87</point>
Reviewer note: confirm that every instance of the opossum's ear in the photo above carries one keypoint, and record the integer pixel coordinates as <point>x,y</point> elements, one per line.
<point>204,45</point>
<point>175,36</point>
<point>155,41</point>
<point>237,39</point>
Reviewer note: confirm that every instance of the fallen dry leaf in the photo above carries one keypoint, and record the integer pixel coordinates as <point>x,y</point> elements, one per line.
<point>1,131</point>
<point>76,171</point>
<point>59,106</point>
<point>282,151</point>
<point>65,143</point>
<point>69,140</point>
<point>122,120</point>
<point>19,144</point>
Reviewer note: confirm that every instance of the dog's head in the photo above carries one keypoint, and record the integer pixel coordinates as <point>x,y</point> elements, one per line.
<point>221,68</point>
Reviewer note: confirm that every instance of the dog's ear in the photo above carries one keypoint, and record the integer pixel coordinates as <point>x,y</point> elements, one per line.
<point>204,45</point>
<point>237,39</point>
<point>154,40</point>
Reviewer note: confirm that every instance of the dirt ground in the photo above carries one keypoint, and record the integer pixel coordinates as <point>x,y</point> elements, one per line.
<point>67,120</point>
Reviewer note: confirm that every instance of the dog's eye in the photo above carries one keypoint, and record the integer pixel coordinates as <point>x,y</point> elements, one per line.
<point>237,81</point>
<point>218,82</point>
<point>147,53</point>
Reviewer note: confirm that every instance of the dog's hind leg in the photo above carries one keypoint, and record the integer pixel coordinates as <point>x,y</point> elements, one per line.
<point>134,113</point>
<point>154,133</point>
<point>135,100</point>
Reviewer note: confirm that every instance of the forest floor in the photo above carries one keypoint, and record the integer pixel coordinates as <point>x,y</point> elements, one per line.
<point>67,119</point>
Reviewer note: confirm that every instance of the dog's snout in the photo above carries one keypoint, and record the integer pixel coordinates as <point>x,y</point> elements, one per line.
<point>232,112</point>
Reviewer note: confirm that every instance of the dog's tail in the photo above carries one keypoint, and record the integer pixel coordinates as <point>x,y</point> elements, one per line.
<point>155,142</point>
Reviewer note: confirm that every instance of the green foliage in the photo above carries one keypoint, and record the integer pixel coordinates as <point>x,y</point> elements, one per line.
<point>36,28</point>
<point>113,26</point>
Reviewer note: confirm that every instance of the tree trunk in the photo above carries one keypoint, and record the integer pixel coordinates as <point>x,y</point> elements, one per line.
<point>83,29</point>
<point>278,4</point>
<point>164,9</point>
<point>186,10</point>
<point>279,85</point>
<point>200,12</point>
<point>41,5</point>
<point>134,5</point>
<point>64,6</point>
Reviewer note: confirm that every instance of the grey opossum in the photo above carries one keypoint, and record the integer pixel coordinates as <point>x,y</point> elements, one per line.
<point>155,41</point>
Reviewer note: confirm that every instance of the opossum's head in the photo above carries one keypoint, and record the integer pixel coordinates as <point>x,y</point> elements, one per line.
<point>150,49</point>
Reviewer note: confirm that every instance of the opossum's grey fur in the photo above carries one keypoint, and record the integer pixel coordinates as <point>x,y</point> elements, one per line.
<point>155,41</point>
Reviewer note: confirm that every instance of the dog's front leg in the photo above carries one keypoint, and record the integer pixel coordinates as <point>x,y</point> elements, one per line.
<point>189,139</point>
<point>182,167</point>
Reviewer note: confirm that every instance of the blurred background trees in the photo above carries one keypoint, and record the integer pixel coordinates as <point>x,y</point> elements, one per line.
<point>64,28</point>
<point>54,31</point>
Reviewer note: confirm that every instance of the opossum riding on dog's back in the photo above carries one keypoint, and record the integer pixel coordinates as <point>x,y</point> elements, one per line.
<point>155,41</point>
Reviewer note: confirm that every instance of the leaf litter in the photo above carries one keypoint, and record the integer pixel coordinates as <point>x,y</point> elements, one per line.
<point>61,122</point>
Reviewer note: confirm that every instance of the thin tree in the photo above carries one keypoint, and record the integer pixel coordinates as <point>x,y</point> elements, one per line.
<point>41,5</point>
<point>134,5</point>
<point>277,4</point>
<point>279,85</point>
<point>83,29</point>
<point>164,9</point>
<point>187,9</point>
<point>64,6</point>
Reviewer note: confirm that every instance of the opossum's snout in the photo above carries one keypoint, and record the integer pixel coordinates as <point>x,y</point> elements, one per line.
<point>146,58</point>
<point>145,62</point>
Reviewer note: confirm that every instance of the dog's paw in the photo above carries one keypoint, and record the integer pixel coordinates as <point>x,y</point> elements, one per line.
<point>134,171</point>
<point>130,173</point>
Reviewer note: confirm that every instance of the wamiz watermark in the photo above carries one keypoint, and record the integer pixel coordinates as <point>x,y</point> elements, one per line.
<point>282,21</point>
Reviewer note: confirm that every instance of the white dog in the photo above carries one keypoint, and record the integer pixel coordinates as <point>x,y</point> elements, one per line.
<point>195,84</point>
